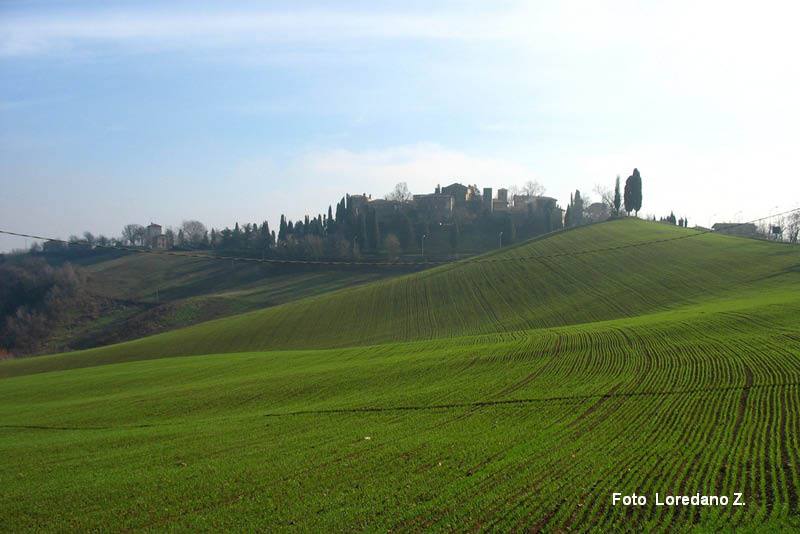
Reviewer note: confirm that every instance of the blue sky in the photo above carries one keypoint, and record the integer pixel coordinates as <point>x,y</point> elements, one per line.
<point>113,112</point>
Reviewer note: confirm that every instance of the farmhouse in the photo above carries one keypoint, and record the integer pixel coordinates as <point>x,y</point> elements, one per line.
<point>597,211</point>
<point>154,238</point>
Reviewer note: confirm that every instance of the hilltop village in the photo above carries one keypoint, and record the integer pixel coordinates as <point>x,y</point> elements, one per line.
<point>452,220</point>
<point>449,222</point>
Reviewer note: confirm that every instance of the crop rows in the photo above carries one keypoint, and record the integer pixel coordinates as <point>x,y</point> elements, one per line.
<point>467,299</point>
<point>532,431</point>
<point>547,388</point>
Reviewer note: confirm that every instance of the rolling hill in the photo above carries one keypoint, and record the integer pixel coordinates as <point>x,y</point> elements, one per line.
<point>514,391</point>
<point>135,295</point>
<point>533,285</point>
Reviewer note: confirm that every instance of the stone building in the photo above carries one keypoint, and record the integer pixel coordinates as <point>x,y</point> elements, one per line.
<point>499,206</point>
<point>154,238</point>
<point>437,207</point>
<point>596,212</point>
<point>385,209</point>
<point>457,191</point>
<point>525,202</point>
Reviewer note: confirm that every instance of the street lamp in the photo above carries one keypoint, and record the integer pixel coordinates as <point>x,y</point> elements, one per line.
<point>500,238</point>
<point>423,244</point>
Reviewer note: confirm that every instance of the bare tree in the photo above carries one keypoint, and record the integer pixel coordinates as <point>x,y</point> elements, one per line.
<point>89,238</point>
<point>533,188</point>
<point>762,230</point>
<point>132,232</point>
<point>400,193</point>
<point>792,227</point>
<point>141,235</point>
<point>194,233</point>
<point>169,233</point>
<point>606,196</point>
<point>392,246</point>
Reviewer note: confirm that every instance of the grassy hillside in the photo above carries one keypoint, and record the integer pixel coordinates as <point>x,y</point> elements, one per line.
<point>143,294</point>
<point>502,292</point>
<point>486,396</point>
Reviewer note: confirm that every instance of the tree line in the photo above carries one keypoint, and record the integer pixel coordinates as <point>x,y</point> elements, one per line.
<point>353,230</point>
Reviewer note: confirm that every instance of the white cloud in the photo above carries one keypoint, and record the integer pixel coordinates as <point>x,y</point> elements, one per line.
<point>53,32</point>
<point>420,165</point>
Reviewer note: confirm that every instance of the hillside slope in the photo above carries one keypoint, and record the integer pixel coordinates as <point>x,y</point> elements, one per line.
<point>521,431</point>
<point>476,425</point>
<point>502,292</point>
<point>136,295</point>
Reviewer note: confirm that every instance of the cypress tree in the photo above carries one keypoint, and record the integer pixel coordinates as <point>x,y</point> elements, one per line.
<point>617,199</point>
<point>330,226</point>
<point>509,231</point>
<point>363,242</point>
<point>340,212</point>
<point>627,198</point>
<point>373,231</point>
<point>577,209</point>
<point>633,192</point>
<point>236,236</point>
<point>455,236</point>
<point>282,229</point>
<point>263,236</point>
<point>636,191</point>
<point>406,234</point>
<point>246,235</point>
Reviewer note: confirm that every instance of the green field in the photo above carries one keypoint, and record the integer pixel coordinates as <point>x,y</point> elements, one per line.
<point>515,391</point>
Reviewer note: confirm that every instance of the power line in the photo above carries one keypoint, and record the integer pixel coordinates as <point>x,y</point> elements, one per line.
<point>274,261</point>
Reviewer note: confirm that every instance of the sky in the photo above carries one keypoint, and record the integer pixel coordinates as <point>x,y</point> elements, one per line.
<point>120,112</point>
